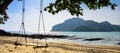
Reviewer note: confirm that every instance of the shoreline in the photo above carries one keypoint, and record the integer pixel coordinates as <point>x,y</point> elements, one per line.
<point>56,46</point>
<point>74,39</point>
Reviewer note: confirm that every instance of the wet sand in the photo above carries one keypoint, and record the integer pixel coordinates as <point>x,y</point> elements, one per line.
<point>7,46</point>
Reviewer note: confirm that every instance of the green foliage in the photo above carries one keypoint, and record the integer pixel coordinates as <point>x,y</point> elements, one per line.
<point>1,1</point>
<point>73,6</point>
<point>19,0</point>
<point>3,7</point>
<point>3,14</point>
<point>3,17</point>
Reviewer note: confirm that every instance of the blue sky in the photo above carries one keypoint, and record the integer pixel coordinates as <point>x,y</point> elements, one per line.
<point>32,11</point>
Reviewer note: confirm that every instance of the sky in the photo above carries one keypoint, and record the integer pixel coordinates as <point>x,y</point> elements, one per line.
<point>14,11</point>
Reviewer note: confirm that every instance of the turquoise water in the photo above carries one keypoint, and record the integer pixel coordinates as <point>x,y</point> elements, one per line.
<point>110,38</point>
<point>108,35</point>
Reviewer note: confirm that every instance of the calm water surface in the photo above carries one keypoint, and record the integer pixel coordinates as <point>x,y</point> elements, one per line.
<point>110,38</point>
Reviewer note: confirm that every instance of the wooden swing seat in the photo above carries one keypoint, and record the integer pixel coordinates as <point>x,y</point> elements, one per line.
<point>30,44</point>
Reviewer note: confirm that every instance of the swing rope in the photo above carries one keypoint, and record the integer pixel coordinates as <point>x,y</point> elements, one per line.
<point>41,19</point>
<point>22,27</point>
<point>40,13</point>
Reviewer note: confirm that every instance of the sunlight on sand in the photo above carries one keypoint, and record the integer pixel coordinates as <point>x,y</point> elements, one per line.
<point>7,46</point>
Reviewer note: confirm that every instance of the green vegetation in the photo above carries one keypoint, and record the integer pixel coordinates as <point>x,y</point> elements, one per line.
<point>3,7</point>
<point>79,25</point>
<point>73,6</point>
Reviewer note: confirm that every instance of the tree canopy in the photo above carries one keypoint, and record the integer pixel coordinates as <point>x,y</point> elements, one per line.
<point>3,7</point>
<point>72,6</point>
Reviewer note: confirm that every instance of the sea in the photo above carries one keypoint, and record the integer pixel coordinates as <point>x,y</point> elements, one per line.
<point>109,38</point>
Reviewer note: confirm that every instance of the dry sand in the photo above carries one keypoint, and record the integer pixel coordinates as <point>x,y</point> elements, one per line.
<point>7,46</point>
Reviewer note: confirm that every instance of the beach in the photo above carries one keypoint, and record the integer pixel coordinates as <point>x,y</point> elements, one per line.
<point>7,46</point>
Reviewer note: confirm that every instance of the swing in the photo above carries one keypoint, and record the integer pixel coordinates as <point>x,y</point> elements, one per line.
<point>22,28</point>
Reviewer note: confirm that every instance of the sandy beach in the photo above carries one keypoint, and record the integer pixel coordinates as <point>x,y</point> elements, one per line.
<point>7,46</point>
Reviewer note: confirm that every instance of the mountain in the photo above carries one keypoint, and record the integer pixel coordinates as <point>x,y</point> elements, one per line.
<point>68,25</point>
<point>78,24</point>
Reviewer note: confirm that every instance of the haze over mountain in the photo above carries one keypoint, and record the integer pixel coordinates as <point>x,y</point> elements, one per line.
<point>78,24</point>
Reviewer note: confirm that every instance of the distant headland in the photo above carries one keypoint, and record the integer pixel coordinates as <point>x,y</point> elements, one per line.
<point>80,25</point>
